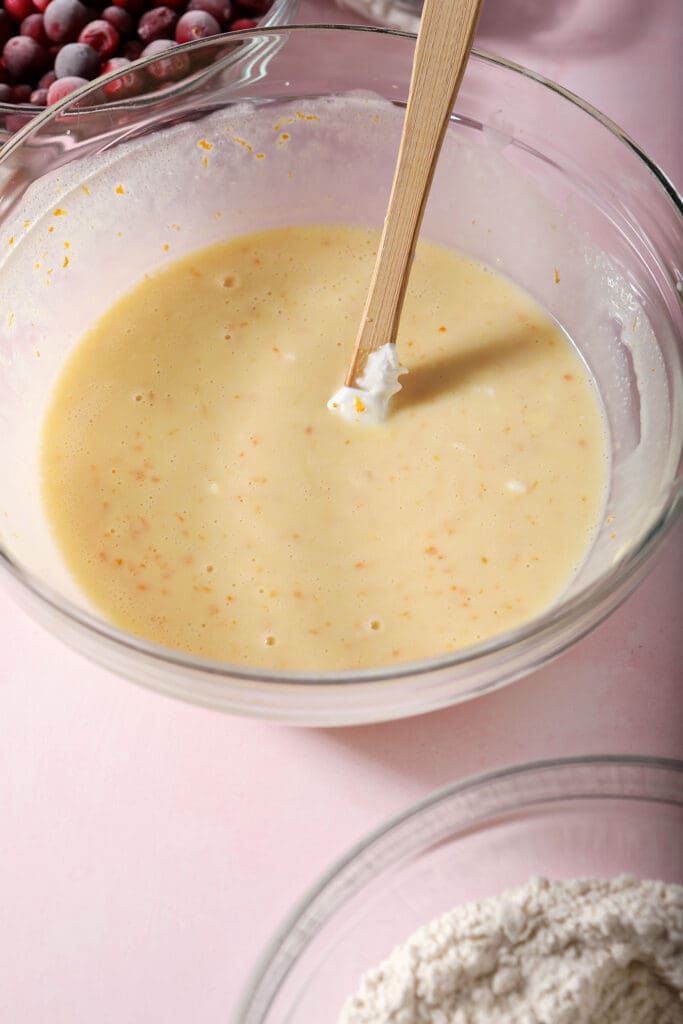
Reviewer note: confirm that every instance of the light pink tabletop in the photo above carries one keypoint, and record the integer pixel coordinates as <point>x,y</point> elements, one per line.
<point>148,849</point>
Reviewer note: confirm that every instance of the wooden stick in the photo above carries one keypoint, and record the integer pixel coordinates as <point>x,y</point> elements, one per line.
<point>443,45</point>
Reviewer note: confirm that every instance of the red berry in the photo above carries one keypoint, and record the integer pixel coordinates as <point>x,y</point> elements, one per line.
<point>122,21</point>
<point>33,26</point>
<point>196,25</point>
<point>5,93</point>
<point>242,23</point>
<point>115,64</point>
<point>176,5</point>
<point>171,67</point>
<point>132,6</point>
<point>64,19</point>
<point>77,60</point>
<point>38,98</point>
<point>63,86</point>
<point>24,58</point>
<point>158,23</point>
<point>221,10</point>
<point>132,49</point>
<point>101,37</point>
<point>21,93</point>
<point>158,46</point>
<point>19,9</point>
<point>41,5</point>
<point>124,84</point>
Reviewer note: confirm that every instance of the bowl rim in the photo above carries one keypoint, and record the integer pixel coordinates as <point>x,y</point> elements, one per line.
<point>272,28</point>
<point>471,783</point>
<point>538,636</point>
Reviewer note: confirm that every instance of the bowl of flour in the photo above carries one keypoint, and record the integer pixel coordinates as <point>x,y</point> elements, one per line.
<point>546,893</point>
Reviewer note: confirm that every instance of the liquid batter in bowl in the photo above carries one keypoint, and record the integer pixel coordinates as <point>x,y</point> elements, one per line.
<point>205,498</point>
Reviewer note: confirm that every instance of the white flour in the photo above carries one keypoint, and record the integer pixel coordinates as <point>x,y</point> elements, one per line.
<point>577,952</point>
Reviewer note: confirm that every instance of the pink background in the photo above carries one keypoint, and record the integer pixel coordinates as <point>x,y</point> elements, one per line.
<point>149,849</point>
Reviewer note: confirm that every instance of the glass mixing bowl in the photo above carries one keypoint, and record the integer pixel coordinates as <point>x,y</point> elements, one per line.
<point>531,181</point>
<point>585,817</point>
<point>15,115</point>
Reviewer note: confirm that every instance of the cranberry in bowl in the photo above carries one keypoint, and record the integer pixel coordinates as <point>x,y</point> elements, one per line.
<point>50,48</point>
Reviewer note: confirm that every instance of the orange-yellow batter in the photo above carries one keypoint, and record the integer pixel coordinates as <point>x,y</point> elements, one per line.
<point>205,498</point>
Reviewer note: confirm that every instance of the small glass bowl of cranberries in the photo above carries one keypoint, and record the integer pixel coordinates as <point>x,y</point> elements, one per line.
<point>49,48</point>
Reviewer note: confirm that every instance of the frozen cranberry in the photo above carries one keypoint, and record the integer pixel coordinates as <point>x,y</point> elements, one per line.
<point>64,19</point>
<point>132,6</point>
<point>167,68</point>
<point>5,93</point>
<point>125,84</point>
<point>63,86</point>
<point>122,21</point>
<point>38,98</point>
<point>6,27</point>
<point>24,58</point>
<point>19,9</point>
<point>21,93</point>
<point>242,23</point>
<point>101,37</point>
<point>132,49</point>
<point>41,5</point>
<point>178,6</point>
<point>115,64</point>
<point>77,60</point>
<point>196,25</point>
<point>46,80</point>
<point>158,23</point>
<point>158,46</point>
<point>221,10</point>
<point>33,26</point>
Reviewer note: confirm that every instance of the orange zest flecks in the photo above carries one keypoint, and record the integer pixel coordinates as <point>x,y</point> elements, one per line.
<point>66,262</point>
<point>307,117</point>
<point>359,404</point>
<point>557,276</point>
<point>120,190</point>
<point>203,144</point>
<point>59,212</point>
<point>86,189</point>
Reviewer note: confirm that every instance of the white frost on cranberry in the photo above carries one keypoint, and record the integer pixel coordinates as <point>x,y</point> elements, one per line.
<point>369,402</point>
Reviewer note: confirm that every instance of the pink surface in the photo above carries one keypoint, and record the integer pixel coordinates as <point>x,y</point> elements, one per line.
<point>148,849</point>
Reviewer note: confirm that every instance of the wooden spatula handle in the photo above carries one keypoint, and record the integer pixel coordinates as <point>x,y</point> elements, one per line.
<point>444,41</point>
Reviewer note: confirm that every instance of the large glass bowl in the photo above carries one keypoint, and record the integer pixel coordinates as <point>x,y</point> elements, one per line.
<point>531,181</point>
<point>585,817</point>
<point>15,115</point>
